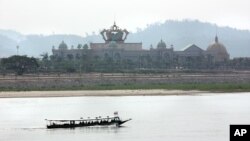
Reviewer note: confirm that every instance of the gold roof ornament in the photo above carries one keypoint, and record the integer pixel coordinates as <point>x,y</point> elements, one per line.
<point>114,34</point>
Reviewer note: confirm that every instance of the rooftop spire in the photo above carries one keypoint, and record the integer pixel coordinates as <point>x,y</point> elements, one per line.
<point>114,20</point>
<point>216,39</point>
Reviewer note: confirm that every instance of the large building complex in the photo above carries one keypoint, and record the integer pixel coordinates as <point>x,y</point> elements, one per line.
<point>116,48</point>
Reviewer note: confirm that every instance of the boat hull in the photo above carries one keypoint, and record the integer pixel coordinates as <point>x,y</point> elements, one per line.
<point>87,124</point>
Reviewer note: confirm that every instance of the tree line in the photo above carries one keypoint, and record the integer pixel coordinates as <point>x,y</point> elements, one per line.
<point>79,64</point>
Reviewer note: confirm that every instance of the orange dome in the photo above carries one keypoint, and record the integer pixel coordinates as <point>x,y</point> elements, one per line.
<point>218,50</point>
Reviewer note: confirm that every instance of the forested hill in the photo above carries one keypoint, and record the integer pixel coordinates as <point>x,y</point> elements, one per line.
<point>178,33</point>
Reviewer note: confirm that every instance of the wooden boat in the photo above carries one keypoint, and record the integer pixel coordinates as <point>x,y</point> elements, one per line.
<point>98,121</point>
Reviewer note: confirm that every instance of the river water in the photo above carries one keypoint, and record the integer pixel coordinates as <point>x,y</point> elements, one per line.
<point>204,117</point>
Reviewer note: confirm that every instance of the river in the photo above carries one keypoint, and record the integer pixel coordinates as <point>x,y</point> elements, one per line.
<point>201,117</point>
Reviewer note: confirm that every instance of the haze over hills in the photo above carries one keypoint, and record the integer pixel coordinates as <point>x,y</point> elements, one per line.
<point>178,33</point>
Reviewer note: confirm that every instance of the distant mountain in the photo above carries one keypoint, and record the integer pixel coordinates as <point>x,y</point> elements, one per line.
<point>5,44</point>
<point>178,33</point>
<point>13,35</point>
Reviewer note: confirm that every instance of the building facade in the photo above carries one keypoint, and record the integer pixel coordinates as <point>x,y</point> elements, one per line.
<point>115,48</point>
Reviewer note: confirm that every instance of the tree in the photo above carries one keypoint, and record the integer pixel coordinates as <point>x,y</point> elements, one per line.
<point>79,46</point>
<point>45,56</point>
<point>70,56</point>
<point>45,61</point>
<point>78,56</point>
<point>85,47</point>
<point>20,64</point>
<point>149,61</point>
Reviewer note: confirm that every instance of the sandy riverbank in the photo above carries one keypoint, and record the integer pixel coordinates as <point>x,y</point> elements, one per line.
<point>24,94</point>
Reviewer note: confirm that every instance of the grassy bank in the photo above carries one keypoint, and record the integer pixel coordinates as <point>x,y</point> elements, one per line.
<point>213,87</point>
<point>189,86</point>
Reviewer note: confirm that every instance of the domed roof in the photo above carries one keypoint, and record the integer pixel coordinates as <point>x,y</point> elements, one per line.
<point>161,44</point>
<point>63,45</point>
<point>218,50</point>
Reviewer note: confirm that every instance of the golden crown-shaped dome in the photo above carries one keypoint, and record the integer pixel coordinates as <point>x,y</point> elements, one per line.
<point>114,34</point>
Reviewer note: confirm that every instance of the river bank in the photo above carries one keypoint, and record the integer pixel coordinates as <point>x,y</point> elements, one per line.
<point>211,87</point>
<point>159,92</point>
<point>213,82</point>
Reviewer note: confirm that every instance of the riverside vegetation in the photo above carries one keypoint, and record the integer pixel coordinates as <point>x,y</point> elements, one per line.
<point>226,82</point>
<point>22,73</point>
<point>212,87</point>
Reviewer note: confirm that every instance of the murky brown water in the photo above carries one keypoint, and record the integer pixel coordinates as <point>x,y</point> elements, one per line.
<point>161,118</point>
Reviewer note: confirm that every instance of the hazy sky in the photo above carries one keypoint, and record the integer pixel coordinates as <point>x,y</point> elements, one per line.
<point>84,16</point>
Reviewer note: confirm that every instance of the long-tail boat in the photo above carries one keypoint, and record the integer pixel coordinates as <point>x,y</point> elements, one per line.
<point>98,121</point>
